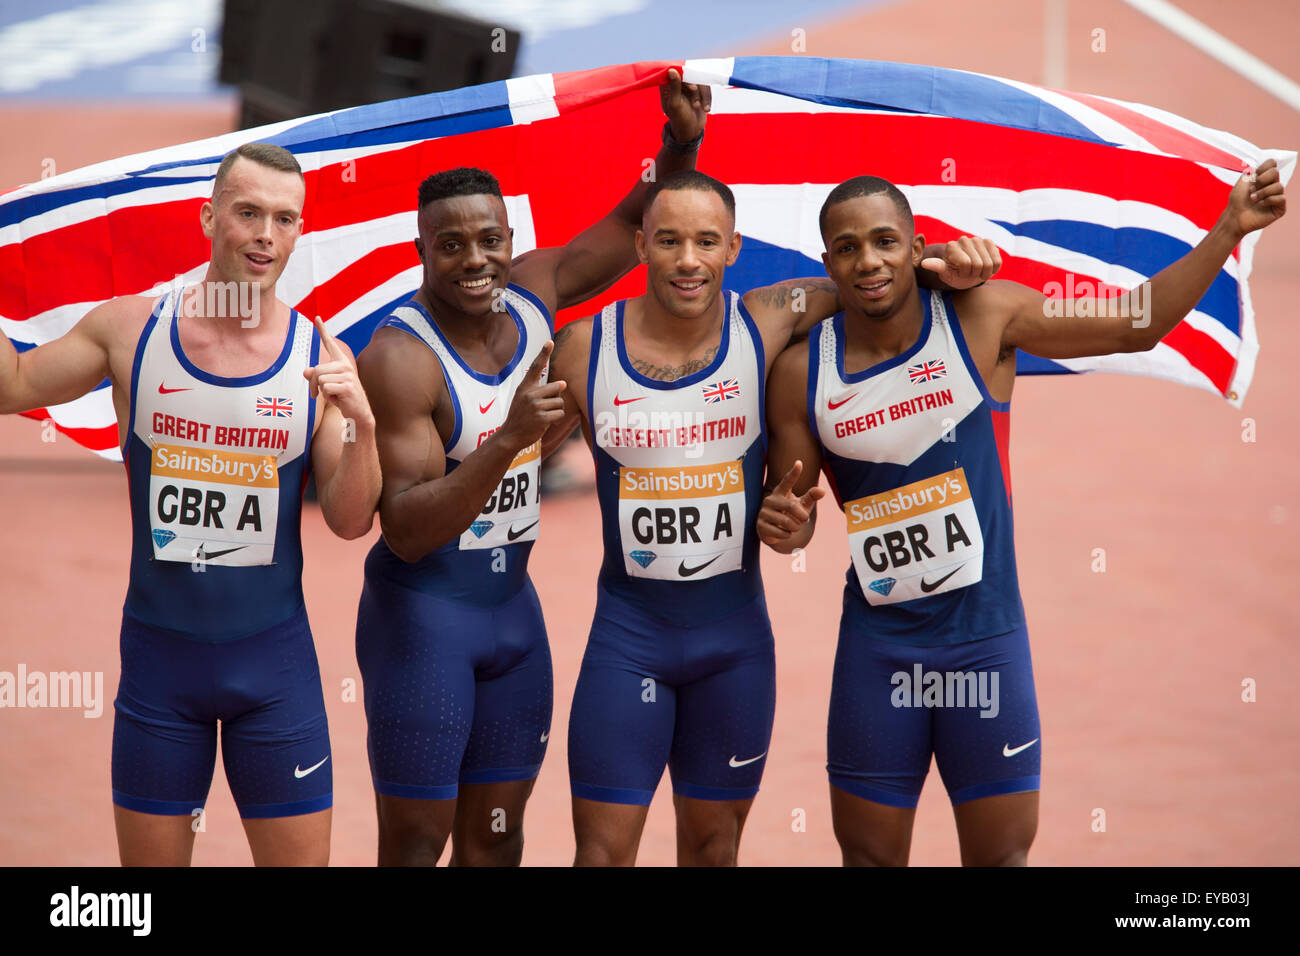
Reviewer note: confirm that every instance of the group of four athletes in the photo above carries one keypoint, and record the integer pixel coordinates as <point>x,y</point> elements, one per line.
<point>710,415</point>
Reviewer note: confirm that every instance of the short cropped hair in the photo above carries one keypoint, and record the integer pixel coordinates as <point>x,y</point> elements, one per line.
<point>860,186</point>
<point>692,179</point>
<point>461,181</point>
<point>264,154</point>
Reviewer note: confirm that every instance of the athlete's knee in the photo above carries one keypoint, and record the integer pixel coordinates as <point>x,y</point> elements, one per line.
<point>869,854</point>
<point>1011,853</point>
<point>717,848</point>
<point>411,843</point>
<point>860,846</point>
<point>505,848</point>
<point>609,847</point>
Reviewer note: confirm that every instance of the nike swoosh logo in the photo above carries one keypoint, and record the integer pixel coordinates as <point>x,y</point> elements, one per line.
<point>1008,752</point>
<point>686,572</point>
<point>299,773</point>
<point>834,405</point>
<point>928,586</point>
<point>209,555</point>
<point>545,735</point>
<point>168,391</point>
<point>512,533</point>
<point>740,763</point>
<point>482,409</point>
<point>624,401</point>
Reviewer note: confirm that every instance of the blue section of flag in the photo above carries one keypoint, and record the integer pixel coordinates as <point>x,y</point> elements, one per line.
<point>908,88</point>
<point>1145,251</point>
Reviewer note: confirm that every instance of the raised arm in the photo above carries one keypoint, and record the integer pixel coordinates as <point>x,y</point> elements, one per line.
<point>343,448</point>
<point>788,515</point>
<point>61,370</point>
<point>603,253</point>
<point>787,310</point>
<point>421,507</point>
<point>1135,322</point>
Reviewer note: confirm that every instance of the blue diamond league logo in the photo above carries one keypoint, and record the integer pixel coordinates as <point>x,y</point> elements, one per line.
<point>643,558</point>
<point>883,585</point>
<point>480,528</point>
<point>162,537</point>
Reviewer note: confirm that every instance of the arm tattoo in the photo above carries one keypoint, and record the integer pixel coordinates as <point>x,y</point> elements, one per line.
<point>779,296</point>
<point>671,373</point>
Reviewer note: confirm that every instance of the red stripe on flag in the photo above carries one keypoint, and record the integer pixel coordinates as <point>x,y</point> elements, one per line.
<point>1203,352</point>
<point>1160,135</point>
<point>96,439</point>
<point>122,253</point>
<point>367,273</point>
<point>577,89</point>
<point>925,150</point>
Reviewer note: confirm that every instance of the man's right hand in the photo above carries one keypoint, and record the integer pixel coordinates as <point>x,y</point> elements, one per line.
<point>784,515</point>
<point>536,406</point>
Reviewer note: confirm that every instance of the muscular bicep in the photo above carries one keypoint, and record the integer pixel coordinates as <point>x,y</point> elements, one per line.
<point>787,310</point>
<point>404,384</point>
<point>789,434</point>
<point>64,369</point>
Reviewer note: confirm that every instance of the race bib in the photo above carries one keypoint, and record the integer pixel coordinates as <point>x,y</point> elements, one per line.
<point>684,523</point>
<point>917,540</point>
<point>212,506</point>
<point>514,511</point>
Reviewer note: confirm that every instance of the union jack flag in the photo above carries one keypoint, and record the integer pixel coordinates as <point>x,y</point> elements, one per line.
<point>278,407</point>
<point>926,371</point>
<point>721,391</point>
<point>1067,184</point>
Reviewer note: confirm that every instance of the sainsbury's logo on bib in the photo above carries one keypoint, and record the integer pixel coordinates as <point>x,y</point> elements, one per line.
<point>685,522</point>
<point>916,540</point>
<point>682,482</point>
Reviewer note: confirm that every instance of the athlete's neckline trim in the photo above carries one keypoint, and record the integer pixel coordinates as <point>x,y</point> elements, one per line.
<point>209,378</point>
<point>473,373</point>
<point>841,345</point>
<point>724,345</point>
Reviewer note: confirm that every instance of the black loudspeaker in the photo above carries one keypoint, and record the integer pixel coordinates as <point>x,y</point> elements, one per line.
<point>292,59</point>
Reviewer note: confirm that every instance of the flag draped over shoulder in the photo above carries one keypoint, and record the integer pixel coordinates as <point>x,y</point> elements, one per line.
<point>1083,194</point>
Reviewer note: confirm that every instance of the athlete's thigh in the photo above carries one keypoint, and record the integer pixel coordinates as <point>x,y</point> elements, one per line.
<point>878,736</point>
<point>607,834</point>
<point>987,738</point>
<point>416,656</point>
<point>708,831</point>
<point>413,831</point>
<point>488,829</point>
<point>151,839</point>
<point>164,730</point>
<point>274,733</point>
<point>871,833</point>
<point>726,699</point>
<point>513,697</point>
<point>302,840</point>
<point>997,831</point>
<point>624,710</point>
